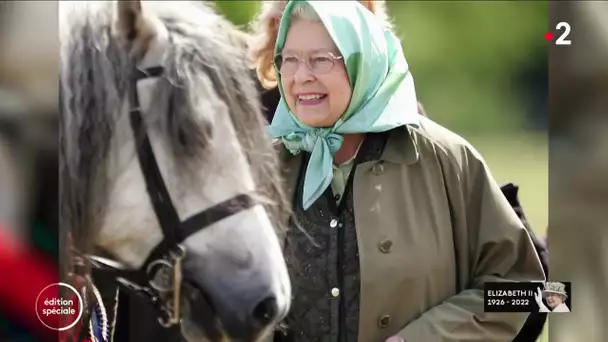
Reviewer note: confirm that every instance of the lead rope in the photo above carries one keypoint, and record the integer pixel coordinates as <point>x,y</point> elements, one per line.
<point>113,325</point>
<point>102,321</point>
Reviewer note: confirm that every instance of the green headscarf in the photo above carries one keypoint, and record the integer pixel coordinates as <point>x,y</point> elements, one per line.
<point>383,94</point>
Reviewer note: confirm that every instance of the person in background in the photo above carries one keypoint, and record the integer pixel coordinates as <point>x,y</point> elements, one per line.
<point>397,222</point>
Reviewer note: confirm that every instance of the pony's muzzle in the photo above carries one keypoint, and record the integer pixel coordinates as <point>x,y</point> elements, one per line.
<point>238,268</point>
<point>240,308</point>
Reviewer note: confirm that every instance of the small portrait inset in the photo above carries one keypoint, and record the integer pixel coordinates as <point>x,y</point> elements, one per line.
<point>555,296</point>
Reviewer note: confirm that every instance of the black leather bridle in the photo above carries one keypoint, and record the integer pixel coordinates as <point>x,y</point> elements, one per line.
<point>160,278</point>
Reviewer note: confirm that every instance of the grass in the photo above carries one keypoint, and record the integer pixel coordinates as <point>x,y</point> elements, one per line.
<point>521,159</point>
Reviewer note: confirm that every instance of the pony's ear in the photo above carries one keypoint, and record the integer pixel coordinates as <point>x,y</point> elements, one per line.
<point>133,28</point>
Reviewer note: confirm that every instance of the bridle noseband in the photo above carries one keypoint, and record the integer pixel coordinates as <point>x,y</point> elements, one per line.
<point>160,277</point>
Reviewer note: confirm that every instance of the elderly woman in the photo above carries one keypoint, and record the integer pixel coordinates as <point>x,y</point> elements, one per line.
<point>556,296</point>
<point>397,222</point>
<point>262,40</point>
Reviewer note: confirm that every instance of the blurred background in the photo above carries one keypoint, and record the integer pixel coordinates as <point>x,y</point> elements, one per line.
<point>28,164</point>
<point>578,178</point>
<point>480,68</point>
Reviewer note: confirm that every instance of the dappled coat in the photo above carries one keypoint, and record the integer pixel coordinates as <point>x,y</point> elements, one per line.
<point>427,227</point>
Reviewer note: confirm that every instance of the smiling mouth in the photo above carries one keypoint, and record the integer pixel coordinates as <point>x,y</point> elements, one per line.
<point>312,99</point>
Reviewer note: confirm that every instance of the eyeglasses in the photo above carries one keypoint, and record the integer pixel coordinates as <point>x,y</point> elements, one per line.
<point>318,63</point>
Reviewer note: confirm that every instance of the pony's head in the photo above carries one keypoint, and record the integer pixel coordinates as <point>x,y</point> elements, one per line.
<point>202,119</point>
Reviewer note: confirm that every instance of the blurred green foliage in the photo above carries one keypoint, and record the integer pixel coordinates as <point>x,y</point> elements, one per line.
<point>239,12</point>
<point>466,57</point>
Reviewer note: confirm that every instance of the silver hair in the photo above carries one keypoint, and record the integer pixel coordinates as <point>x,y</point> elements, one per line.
<point>205,68</point>
<point>303,10</point>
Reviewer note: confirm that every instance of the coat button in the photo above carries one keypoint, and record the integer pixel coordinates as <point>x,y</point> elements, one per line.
<point>335,292</point>
<point>333,223</point>
<point>384,321</point>
<point>385,245</point>
<point>378,168</point>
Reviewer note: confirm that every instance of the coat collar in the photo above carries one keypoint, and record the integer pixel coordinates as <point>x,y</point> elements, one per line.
<point>401,147</point>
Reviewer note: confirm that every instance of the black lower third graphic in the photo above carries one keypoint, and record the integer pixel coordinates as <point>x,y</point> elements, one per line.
<point>527,297</point>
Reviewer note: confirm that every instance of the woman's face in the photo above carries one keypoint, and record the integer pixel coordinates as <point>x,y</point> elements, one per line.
<point>554,300</point>
<point>318,99</point>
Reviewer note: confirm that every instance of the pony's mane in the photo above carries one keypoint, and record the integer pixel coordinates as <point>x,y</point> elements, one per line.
<point>205,64</point>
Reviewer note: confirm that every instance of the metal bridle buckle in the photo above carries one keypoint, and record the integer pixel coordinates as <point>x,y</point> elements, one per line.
<point>161,281</point>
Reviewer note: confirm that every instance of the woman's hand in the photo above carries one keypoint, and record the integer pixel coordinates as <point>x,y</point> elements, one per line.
<point>395,339</point>
<point>539,300</point>
<point>538,296</point>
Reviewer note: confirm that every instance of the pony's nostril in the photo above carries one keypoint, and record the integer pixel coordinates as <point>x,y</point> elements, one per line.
<point>266,311</point>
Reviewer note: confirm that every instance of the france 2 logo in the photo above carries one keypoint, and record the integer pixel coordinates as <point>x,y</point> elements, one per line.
<point>561,40</point>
